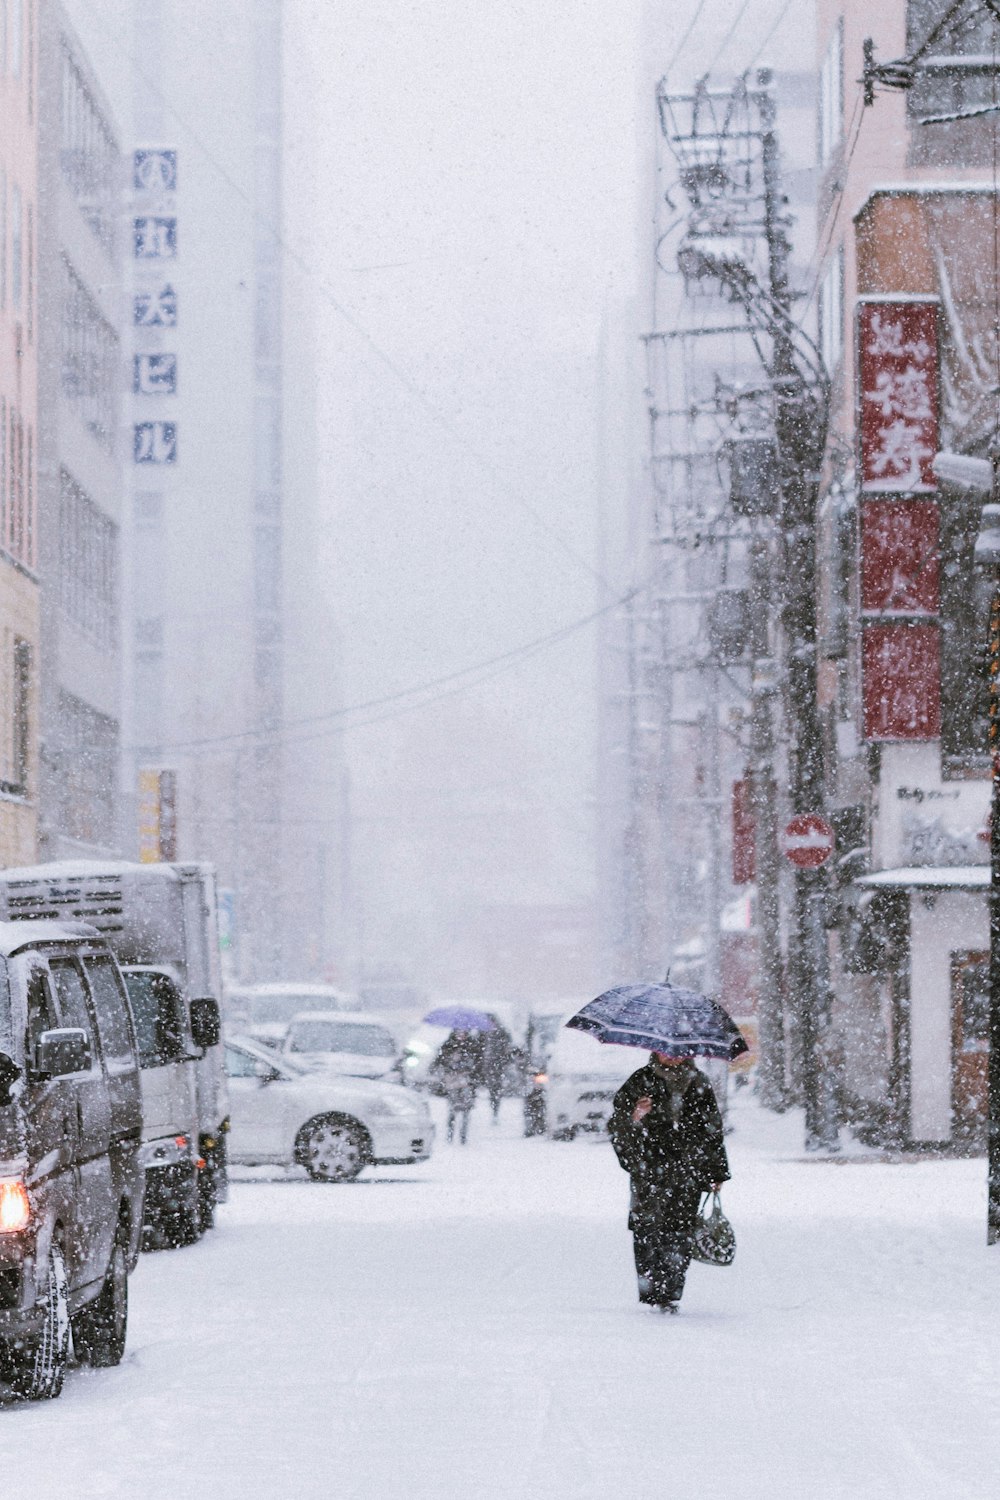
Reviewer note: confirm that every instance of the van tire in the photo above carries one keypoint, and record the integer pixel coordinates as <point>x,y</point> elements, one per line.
<point>101,1327</point>
<point>333,1148</point>
<point>40,1363</point>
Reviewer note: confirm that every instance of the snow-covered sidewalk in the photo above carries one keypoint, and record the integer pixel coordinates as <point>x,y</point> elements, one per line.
<point>469,1329</point>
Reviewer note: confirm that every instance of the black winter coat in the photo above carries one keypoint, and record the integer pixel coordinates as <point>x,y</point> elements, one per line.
<point>660,1156</point>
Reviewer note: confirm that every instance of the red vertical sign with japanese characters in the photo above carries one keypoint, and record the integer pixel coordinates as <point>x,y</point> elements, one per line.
<point>898,417</point>
<point>900,547</point>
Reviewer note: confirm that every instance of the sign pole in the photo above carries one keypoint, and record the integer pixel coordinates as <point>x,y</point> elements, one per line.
<point>993,1115</point>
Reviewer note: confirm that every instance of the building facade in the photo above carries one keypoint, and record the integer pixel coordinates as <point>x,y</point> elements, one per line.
<point>676,664</point>
<point>230,649</point>
<point>907,291</point>
<point>19,436</point>
<point>81,351</point>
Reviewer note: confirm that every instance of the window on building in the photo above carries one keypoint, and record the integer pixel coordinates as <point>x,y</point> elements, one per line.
<point>831,95</point>
<point>15,37</point>
<point>88,565</point>
<point>3,236</point>
<point>955,76</point>
<point>90,360</point>
<point>965,614</point>
<point>88,154</point>
<point>831,312</point>
<point>16,250</point>
<point>17,485</point>
<point>16,756</point>
<point>85,752</point>
<point>31,274</point>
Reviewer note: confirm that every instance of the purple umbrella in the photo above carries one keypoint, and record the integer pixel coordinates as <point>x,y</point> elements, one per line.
<point>460,1018</point>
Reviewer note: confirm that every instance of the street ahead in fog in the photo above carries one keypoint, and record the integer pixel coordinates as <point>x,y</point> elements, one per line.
<point>469,1328</point>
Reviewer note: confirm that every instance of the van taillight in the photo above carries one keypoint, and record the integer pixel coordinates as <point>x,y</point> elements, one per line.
<point>15,1209</point>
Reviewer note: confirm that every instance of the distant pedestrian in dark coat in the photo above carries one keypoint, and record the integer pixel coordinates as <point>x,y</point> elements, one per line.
<point>496,1056</point>
<point>454,1069</point>
<point>667,1133</point>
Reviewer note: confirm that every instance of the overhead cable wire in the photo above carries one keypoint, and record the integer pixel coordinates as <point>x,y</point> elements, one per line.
<point>395,369</point>
<point>767,39</point>
<point>503,661</point>
<point>687,34</point>
<point>833,213</point>
<point>729,35</point>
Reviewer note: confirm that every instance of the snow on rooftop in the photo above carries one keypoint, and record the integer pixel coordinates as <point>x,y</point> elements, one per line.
<point>931,877</point>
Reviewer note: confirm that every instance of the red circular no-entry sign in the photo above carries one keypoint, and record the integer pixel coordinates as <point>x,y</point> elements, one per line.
<point>807,841</point>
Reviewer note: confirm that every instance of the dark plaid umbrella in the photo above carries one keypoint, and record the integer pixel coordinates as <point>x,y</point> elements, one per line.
<point>661,1018</point>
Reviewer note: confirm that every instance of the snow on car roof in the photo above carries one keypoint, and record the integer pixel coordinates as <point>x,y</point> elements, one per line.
<point>355,1017</point>
<point>575,1051</point>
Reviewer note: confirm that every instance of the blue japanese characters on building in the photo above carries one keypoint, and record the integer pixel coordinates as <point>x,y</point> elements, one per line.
<point>155,171</point>
<point>154,304</point>
<point>155,309</point>
<point>155,237</point>
<point>154,375</point>
<point>154,442</point>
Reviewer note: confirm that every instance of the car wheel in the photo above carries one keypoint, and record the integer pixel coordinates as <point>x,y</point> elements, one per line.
<point>40,1363</point>
<point>333,1149</point>
<point>100,1328</point>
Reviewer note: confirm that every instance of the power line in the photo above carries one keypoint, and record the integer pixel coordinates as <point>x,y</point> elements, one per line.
<point>687,35</point>
<point>475,672</point>
<point>729,34</point>
<point>767,40</point>
<point>833,213</point>
<point>386,359</point>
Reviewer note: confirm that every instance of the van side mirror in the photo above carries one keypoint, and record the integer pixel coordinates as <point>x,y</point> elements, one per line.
<point>206,1023</point>
<point>61,1051</point>
<point>9,1075</point>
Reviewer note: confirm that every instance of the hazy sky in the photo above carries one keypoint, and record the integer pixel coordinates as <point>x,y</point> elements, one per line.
<point>467,177</point>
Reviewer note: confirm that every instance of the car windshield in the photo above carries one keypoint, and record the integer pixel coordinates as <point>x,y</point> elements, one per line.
<point>341,1036</point>
<point>247,1061</point>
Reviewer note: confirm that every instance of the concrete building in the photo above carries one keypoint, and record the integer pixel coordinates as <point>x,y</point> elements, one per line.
<point>229,637</point>
<point>81,359</point>
<point>908,290</point>
<point>675,690</point>
<point>19,458</point>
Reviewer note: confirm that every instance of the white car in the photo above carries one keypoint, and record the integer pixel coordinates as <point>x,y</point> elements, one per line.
<point>332,1126</point>
<point>583,1077</point>
<point>340,1041</point>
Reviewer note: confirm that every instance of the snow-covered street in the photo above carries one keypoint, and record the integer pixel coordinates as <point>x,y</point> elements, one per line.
<point>470,1328</point>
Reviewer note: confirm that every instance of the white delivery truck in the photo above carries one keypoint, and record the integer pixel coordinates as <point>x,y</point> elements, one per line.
<point>160,920</point>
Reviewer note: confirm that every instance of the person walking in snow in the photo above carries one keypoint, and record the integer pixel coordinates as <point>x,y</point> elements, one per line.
<point>454,1069</point>
<point>668,1135</point>
<point>495,1059</point>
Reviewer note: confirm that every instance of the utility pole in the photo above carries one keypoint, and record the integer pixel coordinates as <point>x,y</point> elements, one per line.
<point>770,1000</point>
<point>800,428</point>
<point>993,1124</point>
<point>987,551</point>
<point>726,190</point>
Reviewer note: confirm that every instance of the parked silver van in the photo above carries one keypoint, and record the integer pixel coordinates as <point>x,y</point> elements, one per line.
<point>70,1131</point>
